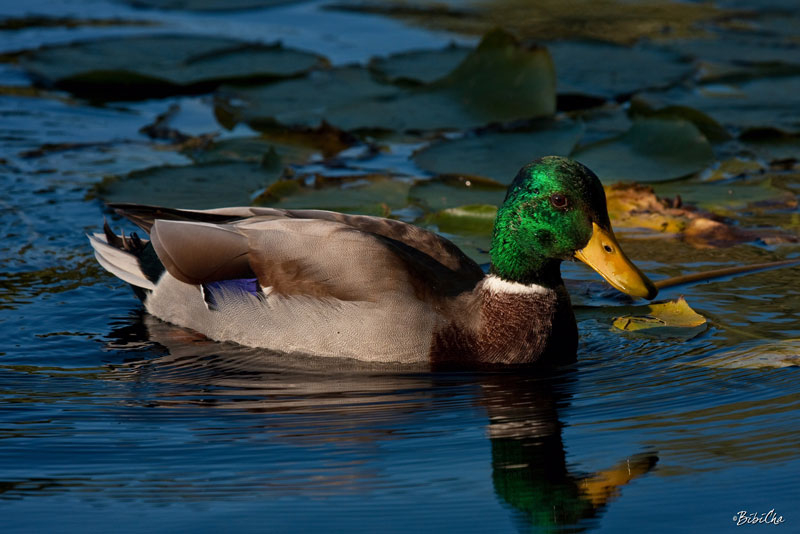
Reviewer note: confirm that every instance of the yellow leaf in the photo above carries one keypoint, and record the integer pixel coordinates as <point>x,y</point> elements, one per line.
<point>672,318</point>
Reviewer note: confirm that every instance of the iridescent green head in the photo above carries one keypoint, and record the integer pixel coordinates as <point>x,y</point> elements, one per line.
<point>555,210</point>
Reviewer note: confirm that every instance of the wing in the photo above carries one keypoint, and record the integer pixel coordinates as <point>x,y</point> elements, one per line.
<point>304,256</point>
<point>300,250</point>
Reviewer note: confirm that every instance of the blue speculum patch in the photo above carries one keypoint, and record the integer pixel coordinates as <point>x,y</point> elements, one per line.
<point>245,285</point>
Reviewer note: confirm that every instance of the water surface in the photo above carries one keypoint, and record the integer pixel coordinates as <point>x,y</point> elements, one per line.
<point>112,421</point>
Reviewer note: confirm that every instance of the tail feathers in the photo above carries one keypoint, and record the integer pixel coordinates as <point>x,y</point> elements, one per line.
<point>118,262</point>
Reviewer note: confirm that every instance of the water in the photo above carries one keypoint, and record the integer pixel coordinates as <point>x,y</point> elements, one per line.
<point>111,421</point>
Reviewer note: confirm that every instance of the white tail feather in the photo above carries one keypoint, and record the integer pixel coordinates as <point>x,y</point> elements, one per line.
<point>121,264</point>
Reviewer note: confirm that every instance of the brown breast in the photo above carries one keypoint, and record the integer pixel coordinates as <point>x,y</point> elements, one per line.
<point>508,328</point>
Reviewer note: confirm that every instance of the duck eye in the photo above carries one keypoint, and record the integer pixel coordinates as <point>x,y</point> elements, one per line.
<point>558,201</point>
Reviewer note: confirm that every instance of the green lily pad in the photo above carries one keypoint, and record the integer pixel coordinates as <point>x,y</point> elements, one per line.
<point>304,102</point>
<point>771,144</point>
<point>499,81</point>
<point>664,319</point>
<point>451,191</point>
<point>773,102</point>
<point>371,195</point>
<point>642,108</point>
<point>211,185</point>
<point>498,155</point>
<point>465,220</point>
<point>208,5</point>
<point>420,66</point>
<point>740,56</point>
<point>144,66</point>
<point>608,70</point>
<point>652,150</point>
<point>474,245</point>
<point>251,149</point>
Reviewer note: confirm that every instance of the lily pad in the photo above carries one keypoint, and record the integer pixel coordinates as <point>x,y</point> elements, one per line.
<point>420,66</point>
<point>251,149</point>
<point>304,102</point>
<point>209,5</point>
<point>664,319</point>
<point>772,145</point>
<point>452,191</point>
<point>369,194</point>
<point>642,108</point>
<point>144,66</point>
<point>773,102</point>
<point>740,56</point>
<point>608,70</point>
<point>617,21</point>
<point>498,155</point>
<point>652,150</point>
<point>464,220</point>
<point>499,81</point>
<point>212,185</point>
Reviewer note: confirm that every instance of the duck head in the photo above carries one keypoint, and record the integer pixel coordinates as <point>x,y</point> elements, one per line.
<point>555,210</point>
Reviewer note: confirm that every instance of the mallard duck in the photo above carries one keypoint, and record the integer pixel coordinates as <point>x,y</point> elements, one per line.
<point>328,284</point>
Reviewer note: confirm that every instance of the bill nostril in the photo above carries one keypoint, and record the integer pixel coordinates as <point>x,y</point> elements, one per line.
<point>608,248</point>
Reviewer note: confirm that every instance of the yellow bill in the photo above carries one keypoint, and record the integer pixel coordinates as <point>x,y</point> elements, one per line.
<point>604,255</point>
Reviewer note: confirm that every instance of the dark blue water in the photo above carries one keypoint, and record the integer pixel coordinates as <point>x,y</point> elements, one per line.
<point>111,421</point>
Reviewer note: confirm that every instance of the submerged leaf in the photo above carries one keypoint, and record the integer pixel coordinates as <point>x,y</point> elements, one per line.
<point>652,150</point>
<point>142,66</point>
<point>664,319</point>
<point>212,185</point>
<point>499,81</point>
<point>784,353</point>
<point>498,155</point>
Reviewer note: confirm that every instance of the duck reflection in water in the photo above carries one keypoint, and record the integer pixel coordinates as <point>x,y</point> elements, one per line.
<point>529,468</point>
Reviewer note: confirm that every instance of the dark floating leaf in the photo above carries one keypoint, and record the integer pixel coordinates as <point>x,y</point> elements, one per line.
<point>771,144</point>
<point>465,220</point>
<point>641,107</point>
<point>452,191</point>
<point>497,82</point>
<point>366,194</point>
<point>420,66</point>
<point>498,155</point>
<point>617,21</point>
<point>652,150</point>
<point>209,5</point>
<point>740,56</point>
<point>144,66</point>
<point>303,102</point>
<point>44,21</point>
<point>773,102</point>
<point>251,149</point>
<point>608,70</point>
<point>212,185</point>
